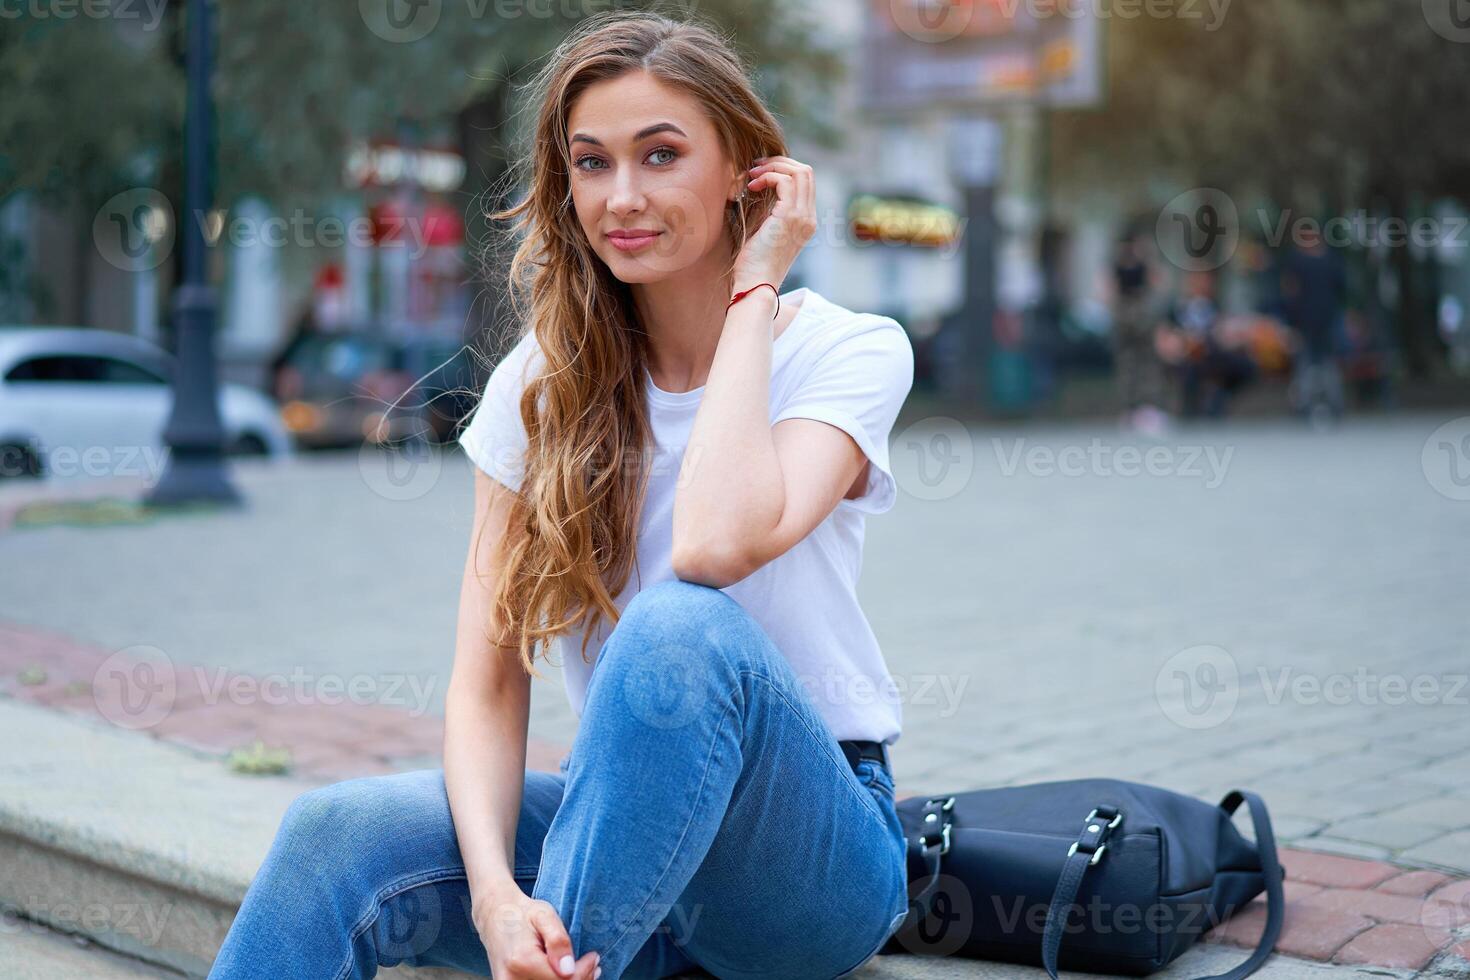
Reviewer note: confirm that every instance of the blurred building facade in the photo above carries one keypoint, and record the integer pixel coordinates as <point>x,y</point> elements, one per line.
<point>934,209</point>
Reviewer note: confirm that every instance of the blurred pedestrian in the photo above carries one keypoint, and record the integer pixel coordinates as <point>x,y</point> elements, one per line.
<point>1214,364</point>
<point>1314,291</point>
<point>1140,373</point>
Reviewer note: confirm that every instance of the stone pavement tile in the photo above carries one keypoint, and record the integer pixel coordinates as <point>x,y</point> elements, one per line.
<point>1449,851</point>
<point>1449,906</point>
<point>1314,933</point>
<point>1386,831</point>
<point>1294,890</point>
<point>418,736</point>
<point>309,724</point>
<point>1334,872</point>
<point>1441,811</point>
<point>1395,945</point>
<point>353,767</point>
<point>1346,848</point>
<point>1414,883</point>
<point>214,728</point>
<point>1287,828</point>
<point>1452,773</point>
<point>1394,791</point>
<point>1368,902</point>
<point>30,951</point>
<point>1455,890</point>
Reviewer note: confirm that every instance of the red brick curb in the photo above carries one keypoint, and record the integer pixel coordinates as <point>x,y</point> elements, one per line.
<point>326,741</point>
<point>1338,909</point>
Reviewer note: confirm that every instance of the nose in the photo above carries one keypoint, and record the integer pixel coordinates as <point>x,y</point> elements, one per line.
<point>626,196</point>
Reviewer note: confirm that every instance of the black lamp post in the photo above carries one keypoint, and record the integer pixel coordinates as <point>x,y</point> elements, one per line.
<point>196,471</point>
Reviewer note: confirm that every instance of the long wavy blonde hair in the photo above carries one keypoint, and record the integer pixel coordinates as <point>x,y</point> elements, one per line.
<point>573,530</point>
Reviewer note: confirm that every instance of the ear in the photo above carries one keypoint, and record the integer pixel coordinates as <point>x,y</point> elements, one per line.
<point>738,180</point>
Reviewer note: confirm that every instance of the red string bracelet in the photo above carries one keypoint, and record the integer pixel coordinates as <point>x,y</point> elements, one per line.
<point>746,292</point>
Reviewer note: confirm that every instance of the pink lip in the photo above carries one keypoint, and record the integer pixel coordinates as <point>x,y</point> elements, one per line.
<point>627,241</point>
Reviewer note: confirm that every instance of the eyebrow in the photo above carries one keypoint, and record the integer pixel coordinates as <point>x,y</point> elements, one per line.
<point>645,132</point>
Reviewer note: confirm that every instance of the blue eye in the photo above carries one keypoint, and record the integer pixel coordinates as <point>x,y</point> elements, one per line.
<point>580,160</point>
<point>665,149</point>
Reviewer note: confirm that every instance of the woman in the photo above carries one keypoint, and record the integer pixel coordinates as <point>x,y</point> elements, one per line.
<point>682,479</point>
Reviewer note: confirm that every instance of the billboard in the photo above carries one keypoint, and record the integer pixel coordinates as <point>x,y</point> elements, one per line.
<point>976,54</point>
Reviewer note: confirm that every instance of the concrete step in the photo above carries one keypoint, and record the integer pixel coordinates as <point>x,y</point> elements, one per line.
<point>29,951</point>
<point>147,848</point>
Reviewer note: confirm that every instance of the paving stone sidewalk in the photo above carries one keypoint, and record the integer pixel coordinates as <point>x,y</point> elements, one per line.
<point>1342,910</point>
<point>1288,618</point>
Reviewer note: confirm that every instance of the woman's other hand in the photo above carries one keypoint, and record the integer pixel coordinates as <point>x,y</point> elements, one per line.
<point>525,940</point>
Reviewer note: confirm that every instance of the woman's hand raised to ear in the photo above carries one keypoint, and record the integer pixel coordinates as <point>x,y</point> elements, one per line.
<point>768,254</point>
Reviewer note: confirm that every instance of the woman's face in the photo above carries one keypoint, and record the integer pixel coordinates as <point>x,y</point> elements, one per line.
<point>650,180</point>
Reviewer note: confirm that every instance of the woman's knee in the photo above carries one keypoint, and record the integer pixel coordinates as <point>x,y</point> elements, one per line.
<point>680,647</point>
<point>330,824</point>
<point>684,625</point>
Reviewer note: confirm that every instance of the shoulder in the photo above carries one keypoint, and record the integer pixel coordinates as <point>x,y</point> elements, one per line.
<point>834,328</point>
<point>518,364</point>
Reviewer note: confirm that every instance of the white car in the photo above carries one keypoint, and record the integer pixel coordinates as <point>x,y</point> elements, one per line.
<point>85,402</point>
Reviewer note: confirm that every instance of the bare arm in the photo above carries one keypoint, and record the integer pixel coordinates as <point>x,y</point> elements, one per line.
<point>486,713</point>
<point>487,710</point>
<point>749,491</point>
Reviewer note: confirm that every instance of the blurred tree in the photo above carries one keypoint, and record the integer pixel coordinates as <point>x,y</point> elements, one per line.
<point>1323,108</point>
<point>297,83</point>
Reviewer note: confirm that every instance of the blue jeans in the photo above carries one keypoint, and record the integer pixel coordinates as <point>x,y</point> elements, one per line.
<point>704,818</point>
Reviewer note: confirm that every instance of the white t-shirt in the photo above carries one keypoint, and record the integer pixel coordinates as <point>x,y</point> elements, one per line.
<point>851,370</point>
